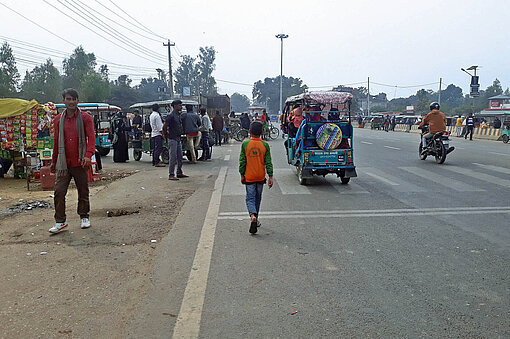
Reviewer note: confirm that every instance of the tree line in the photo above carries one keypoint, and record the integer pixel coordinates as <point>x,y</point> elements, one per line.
<point>82,72</point>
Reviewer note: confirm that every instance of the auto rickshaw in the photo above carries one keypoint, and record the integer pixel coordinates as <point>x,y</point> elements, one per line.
<point>140,141</point>
<point>323,143</point>
<point>102,114</point>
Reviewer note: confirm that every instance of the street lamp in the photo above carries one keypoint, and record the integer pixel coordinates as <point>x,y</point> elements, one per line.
<point>281,37</point>
<point>474,81</point>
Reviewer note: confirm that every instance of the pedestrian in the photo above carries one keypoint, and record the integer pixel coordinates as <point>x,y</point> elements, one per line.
<point>156,136</point>
<point>458,126</point>
<point>254,162</point>
<point>470,126</point>
<point>205,129</point>
<point>217,124</point>
<point>387,124</point>
<point>137,121</point>
<point>172,131</point>
<point>393,123</point>
<point>233,114</point>
<point>191,123</point>
<point>226,128</point>
<point>245,121</point>
<point>73,147</point>
<point>409,123</point>
<point>463,126</point>
<point>120,138</point>
<point>497,123</point>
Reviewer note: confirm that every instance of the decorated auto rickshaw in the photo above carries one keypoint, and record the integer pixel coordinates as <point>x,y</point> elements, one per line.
<point>140,141</point>
<point>102,114</point>
<point>323,141</point>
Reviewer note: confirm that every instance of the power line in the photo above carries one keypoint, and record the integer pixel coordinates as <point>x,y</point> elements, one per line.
<point>99,34</point>
<point>35,23</point>
<point>48,51</point>
<point>148,30</point>
<point>131,42</point>
<point>103,27</point>
<point>233,82</point>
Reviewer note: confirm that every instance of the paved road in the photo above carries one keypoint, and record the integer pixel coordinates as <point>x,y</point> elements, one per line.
<point>408,249</point>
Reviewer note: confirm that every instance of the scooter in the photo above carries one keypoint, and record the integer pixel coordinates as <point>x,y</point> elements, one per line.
<point>437,146</point>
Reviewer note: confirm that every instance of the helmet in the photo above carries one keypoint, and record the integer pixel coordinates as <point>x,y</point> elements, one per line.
<point>434,105</point>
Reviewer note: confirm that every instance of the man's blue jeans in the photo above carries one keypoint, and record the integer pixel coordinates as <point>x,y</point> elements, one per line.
<point>175,152</point>
<point>253,198</point>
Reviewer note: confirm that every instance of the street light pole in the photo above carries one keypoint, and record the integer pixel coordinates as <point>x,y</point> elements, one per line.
<point>281,37</point>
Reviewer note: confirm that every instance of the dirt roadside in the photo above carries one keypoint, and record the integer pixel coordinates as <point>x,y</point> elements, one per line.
<point>89,282</point>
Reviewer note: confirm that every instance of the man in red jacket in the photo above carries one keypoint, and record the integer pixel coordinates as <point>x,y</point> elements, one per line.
<point>73,147</point>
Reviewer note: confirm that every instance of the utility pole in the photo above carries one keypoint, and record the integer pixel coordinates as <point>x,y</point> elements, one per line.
<point>171,81</point>
<point>368,97</point>
<point>439,96</point>
<point>281,37</point>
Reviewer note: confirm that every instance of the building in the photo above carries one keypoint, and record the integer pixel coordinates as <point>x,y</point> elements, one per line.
<point>499,106</point>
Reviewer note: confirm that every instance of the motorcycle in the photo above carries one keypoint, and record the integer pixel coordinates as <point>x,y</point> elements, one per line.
<point>437,146</point>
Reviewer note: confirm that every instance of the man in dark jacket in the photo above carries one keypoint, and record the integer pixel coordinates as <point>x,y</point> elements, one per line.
<point>172,131</point>
<point>191,123</point>
<point>217,124</point>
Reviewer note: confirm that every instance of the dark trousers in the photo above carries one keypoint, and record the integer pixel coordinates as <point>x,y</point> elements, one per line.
<point>217,137</point>
<point>158,148</point>
<point>206,151</point>
<point>80,176</point>
<point>5,165</point>
<point>469,130</point>
<point>99,165</point>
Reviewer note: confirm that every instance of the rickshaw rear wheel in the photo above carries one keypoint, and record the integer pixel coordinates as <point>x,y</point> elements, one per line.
<point>345,180</point>
<point>505,138</point>
<point>165,156</point>
<point>137,154</point>
<point>302,181</point>
<point>103,151</point>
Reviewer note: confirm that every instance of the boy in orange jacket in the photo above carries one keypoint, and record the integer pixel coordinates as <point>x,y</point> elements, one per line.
<point>254,161</point>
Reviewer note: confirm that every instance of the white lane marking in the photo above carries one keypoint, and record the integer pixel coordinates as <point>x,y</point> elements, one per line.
<point>445,181</point>
<point>395,210</point>
<point>409,213</point>
<point>227,157</point>
<point>287,181</point>
<point>398,149</point>
<point>378,177</point>
<point>234,186</point>
<point>479,176</point>
<point>506,155</point>
<point>366,142</point>
<point>190,314</point>
<point>494,168</point>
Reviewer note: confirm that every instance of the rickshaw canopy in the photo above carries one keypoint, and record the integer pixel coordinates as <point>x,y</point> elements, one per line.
<point>322,97</point>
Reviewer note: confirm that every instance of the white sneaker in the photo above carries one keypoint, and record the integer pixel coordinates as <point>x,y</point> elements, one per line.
<point>59,226</point>
<point>85,222</point>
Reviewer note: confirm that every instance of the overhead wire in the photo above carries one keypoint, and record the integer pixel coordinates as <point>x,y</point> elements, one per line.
<point>131,42</point>
<point>148,30</point>
<point>132,52</point>
<point>104,28</point>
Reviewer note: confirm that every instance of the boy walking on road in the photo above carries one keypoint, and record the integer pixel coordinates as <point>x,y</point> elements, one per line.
<point>254,162</point>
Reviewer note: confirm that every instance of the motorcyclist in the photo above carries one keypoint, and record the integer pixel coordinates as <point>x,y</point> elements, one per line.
<point>436,121</point>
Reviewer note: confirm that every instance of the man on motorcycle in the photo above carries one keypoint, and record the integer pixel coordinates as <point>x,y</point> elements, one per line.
<point>436,121</point>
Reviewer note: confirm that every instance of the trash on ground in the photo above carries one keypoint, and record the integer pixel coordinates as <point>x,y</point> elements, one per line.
<point>154,240</point>
<point>43,253</point>
<point>29,254</point>
<point>293,312</point>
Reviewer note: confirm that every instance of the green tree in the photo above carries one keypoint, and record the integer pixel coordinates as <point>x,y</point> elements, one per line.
<point>186,75</point>
<point>451,97</point>
<point>267,92</point>
<point>122,94</point>
<point>43,83</point>
<point>205,67</point>
<point>94,88</point>
<point>77,67</point>
<point>423,99</point>
<point>152,89</point>
<point>239,102</point>
<point>9,75</point>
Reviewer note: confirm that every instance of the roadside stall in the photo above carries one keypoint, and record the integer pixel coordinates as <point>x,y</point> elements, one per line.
<point>26,130</point>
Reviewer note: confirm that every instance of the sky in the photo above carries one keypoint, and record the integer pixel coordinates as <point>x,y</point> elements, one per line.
<point>395,43</point>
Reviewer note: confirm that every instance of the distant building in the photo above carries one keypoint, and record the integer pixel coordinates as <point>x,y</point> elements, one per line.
<point>499,106</point>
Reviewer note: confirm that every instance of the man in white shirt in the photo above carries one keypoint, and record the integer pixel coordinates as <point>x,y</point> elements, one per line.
<point>156,136</point>
<point>205,128</point>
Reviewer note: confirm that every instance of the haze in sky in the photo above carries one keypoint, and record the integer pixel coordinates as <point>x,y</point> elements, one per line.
<point>394,42</point>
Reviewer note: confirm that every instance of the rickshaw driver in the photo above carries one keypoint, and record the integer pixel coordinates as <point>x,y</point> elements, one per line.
<point>436,121</point>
